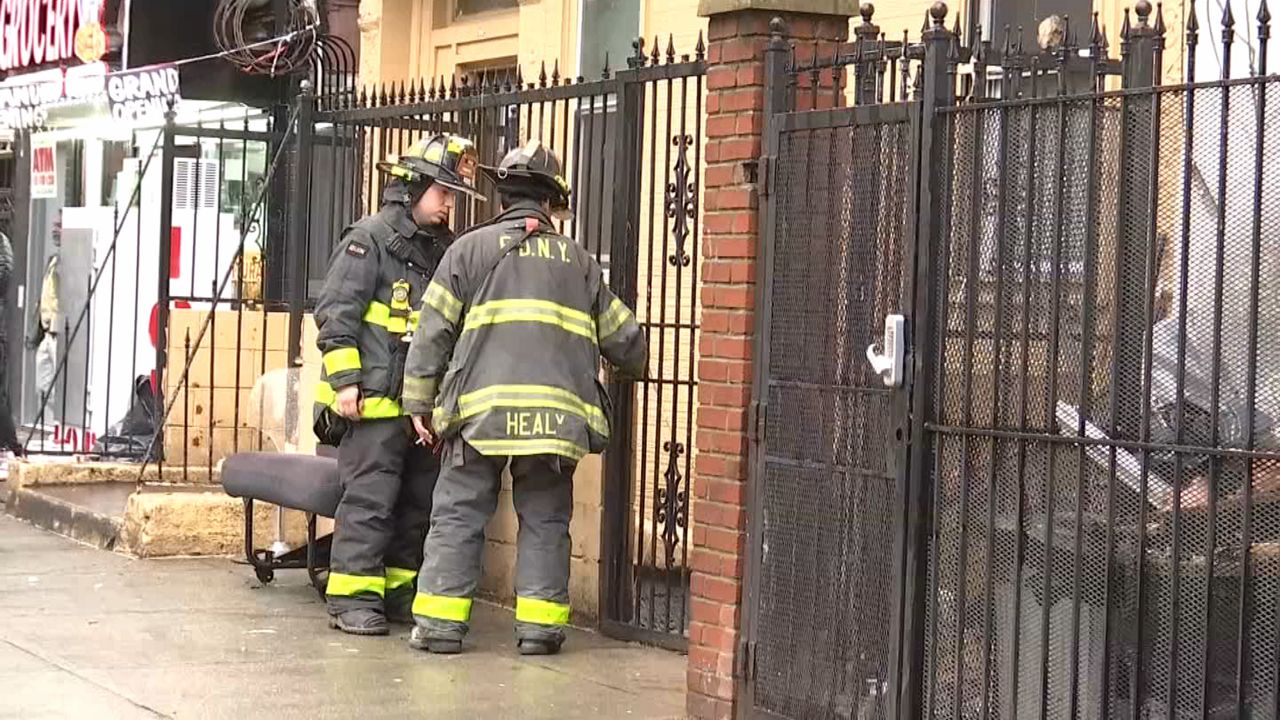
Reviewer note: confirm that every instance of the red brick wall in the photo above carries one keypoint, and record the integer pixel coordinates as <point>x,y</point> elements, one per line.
<point>730,225</point>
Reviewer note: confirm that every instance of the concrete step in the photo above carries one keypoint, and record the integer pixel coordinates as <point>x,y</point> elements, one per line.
<point>142,520</point>
<point>92,513</point>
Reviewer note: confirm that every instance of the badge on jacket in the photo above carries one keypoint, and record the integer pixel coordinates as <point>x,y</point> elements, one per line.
<point>400,295</point>
<point>356,250</point>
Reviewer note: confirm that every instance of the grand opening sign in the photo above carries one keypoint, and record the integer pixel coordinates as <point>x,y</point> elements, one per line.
<point>36,32</point>
<point>139,96</point>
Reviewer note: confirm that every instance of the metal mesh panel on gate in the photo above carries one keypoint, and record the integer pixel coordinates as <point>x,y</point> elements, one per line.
<point>829,489</point>
<point>1103,425</point>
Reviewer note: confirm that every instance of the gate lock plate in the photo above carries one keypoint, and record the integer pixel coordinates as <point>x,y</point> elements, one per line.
<point>889,364</point>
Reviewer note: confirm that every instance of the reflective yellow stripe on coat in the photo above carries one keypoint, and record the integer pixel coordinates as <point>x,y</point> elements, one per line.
<point>375,408</point>
<point>532,396</point>
<point>529,446</point>
<point>341,360</point>
<point>380,314</point>
<point>612,320</point>
<point>497,312</point>
<point>442,301</point>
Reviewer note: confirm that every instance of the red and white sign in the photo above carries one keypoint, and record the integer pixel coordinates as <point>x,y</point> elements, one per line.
<point>37,32</point>
<point>44,169</point>
<point>76,440</point>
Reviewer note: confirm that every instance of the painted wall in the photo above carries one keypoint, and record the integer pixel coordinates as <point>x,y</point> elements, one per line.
<point>408,39</point>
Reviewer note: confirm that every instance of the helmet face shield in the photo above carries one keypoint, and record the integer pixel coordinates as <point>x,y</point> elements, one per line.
<point>450,160</point>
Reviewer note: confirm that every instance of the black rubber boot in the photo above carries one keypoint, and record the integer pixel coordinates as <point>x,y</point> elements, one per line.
<point>423,639</point>
<point>362,621</point>
<point>538,646</point>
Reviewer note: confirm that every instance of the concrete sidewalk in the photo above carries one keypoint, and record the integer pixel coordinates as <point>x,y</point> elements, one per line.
<point>87,633</point>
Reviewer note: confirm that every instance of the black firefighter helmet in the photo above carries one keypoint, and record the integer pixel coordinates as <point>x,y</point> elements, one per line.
<point>535,167</point>
<point>450,160</point>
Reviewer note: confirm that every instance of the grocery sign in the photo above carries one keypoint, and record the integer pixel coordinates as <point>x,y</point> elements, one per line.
<point>39,32</point>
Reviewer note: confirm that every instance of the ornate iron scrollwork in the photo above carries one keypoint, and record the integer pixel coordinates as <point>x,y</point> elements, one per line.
<point>681,200</point>
<point>673,502</point>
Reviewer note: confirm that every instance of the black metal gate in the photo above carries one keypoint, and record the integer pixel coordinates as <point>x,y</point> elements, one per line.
<point>1071,505</point>
<point>829,468</point>
<point>841,213</point>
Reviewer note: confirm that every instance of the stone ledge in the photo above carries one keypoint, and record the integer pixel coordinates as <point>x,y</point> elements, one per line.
<point>842,8</point>
<point>28,473</point>
<point>101,530</point>
<point>165,523</point>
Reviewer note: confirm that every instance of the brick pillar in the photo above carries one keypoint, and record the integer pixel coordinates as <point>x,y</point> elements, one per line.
<point>736,119</point>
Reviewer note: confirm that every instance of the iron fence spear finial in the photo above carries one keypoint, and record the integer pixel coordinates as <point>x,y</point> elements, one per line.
<point>1264,34</point>
<point>671,48</point>
<point>637,58</point>
<point>777,33</point>
<point>1095,36</point>
<point>939,14</point>
<point>1228,39</point>
<point>1143,9</point>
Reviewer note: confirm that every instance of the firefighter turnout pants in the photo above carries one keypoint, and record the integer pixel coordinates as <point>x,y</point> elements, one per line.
<point>382,518</point>
<point>466,498</point>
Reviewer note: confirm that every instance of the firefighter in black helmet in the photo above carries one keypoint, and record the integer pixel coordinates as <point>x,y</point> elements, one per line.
<point>506,365</point>
<point>381,265</point>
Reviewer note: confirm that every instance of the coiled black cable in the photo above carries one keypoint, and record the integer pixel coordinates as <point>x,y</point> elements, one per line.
<point>242,29</point>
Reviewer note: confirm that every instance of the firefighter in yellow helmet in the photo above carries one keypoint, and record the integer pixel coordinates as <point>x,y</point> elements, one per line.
<point>380,266</point>
<point>506,366</point>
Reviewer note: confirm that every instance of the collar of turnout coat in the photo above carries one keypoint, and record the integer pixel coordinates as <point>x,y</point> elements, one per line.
<point>420,239</point>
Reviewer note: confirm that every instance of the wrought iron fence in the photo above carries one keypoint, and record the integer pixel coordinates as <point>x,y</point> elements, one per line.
<point>169,292</point>
<point>94,367</point>
<point>207,348</point>
<point>631,143</point>
<point>1080,467</point>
